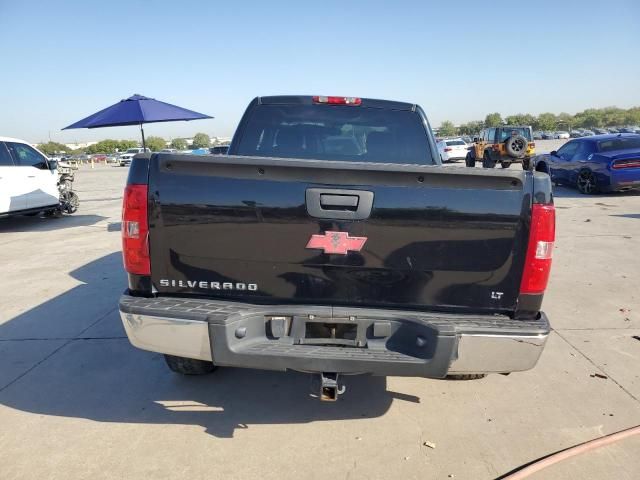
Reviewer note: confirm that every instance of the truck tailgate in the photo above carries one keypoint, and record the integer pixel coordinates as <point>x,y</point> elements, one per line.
<point>240,227</point>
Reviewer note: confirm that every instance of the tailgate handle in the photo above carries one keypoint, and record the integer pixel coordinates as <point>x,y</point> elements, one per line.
<point>327,200</point>
<point>339,204</point>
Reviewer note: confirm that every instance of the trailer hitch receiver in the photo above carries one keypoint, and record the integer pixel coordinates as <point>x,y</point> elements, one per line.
<point>329,387</point>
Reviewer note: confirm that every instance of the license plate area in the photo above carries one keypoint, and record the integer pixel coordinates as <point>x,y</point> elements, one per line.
<point>321,332</point>
<point>313,330</point>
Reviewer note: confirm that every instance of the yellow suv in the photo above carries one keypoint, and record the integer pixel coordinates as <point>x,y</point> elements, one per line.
<point>504,145</point>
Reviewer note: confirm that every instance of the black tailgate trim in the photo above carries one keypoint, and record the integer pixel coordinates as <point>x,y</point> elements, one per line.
<point>350,173</point>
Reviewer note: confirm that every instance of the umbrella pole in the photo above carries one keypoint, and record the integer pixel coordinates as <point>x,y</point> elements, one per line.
<point>144,147</point>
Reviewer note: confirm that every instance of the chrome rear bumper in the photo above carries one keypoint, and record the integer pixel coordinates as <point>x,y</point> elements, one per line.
<point>235,334</point>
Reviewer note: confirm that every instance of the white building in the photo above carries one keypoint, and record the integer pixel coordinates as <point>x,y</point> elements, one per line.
<point>75,146</point>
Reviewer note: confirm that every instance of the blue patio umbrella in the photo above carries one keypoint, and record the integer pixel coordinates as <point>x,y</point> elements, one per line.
<point>137,110</point>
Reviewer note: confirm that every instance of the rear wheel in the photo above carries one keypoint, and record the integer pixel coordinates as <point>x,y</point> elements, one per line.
<point>189,366</point>
<point>470,160</point>
<point>586,182</point>
<point>487,162</point>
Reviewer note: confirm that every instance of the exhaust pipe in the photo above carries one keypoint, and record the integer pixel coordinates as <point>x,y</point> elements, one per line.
<point>329,387</point>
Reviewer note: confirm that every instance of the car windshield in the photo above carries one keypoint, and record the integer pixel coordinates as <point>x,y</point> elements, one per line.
<point>454,142</point>
<point>509,132</point>
<point>133,150</point>
<point>619,144</point>
<point>336,133</point>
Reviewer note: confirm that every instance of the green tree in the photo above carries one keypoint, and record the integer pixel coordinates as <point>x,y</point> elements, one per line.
<point>520,119</point>
<point>51,148</point>
<point>632,116</point>
<point>124,145</point>
<point>179,144</point>
<point>493,120</point>
<point>103,146</point>
<point>155,144</point>
<point>546,121</point>
<point>201,140</point>
<point>592,120</point>
<point>447,129</point>
<point>471,128</point>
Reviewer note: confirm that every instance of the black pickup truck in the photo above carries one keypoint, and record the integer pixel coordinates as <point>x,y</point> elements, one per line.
<point>331,240</point>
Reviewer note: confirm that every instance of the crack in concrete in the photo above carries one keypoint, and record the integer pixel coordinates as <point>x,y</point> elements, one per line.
<point>598,367</point>
<point>33,367</point>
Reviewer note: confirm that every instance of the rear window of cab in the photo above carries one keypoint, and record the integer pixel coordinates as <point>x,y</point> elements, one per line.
<point>336,132</point>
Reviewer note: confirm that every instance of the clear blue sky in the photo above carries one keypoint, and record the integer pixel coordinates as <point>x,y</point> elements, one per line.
<point>63,60</point>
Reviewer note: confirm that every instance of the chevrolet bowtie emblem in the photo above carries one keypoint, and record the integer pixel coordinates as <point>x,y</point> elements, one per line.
<point>336,242</point>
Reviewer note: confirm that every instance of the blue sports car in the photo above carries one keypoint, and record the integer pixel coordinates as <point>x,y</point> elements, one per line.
<point>600,163</point>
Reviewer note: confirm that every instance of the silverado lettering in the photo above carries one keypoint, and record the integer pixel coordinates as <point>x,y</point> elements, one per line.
<point>208,285</point>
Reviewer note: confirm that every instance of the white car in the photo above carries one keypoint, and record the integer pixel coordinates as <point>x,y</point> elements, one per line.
<point>452,149</point>
<point>125,158</point>
<point>561,135</point>
<point>28,179</point>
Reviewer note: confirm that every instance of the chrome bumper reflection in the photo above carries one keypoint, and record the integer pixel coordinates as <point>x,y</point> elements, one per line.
<point>497,353</point>
<point>183,338</point>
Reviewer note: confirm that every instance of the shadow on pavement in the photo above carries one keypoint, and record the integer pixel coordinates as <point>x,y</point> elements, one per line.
<point>45,224</point>
<point>628,215</point>
<point>98,375</point>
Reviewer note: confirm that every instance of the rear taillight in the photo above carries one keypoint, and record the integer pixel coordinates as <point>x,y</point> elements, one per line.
<point>448,149</point>
<point>542,234</point>
<point>135,230</point>
<point>532,145</point>
<point>337,100</point>
<point>627,163</point>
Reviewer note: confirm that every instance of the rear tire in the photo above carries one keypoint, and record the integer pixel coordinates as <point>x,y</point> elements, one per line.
<point>466,376</point>
<point>487,162</point>
<point>586,182</point>
<point>189,366</point>
<point>470,160</point>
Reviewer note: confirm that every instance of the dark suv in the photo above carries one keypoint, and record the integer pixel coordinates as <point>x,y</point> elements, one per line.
<point>504,145</point>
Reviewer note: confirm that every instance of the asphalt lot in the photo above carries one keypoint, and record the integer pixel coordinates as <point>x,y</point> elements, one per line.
<point>77,401</point>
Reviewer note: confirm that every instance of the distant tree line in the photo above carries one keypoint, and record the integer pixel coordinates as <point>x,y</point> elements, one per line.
<point>200,140</point>
<point>590,118</point>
